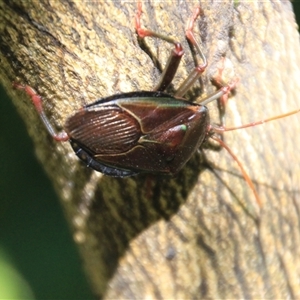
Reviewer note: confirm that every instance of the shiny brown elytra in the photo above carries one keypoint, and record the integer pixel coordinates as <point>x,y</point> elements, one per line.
<point>138,132</point>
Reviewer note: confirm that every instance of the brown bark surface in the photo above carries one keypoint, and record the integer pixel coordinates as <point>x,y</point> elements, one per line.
<point>200,234</point>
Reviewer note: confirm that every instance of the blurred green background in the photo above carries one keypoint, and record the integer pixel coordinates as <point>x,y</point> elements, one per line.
<point>38,259</point>
<point>35,241</point>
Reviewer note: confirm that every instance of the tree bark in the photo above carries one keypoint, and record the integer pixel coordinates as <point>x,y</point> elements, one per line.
<point>200,234</point>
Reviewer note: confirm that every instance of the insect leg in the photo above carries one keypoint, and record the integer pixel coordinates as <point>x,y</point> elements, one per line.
<point>197,72</point>
<point>174,58</point>
<point>245,174</point>
<point>222,92</point>
<point>37,101</point>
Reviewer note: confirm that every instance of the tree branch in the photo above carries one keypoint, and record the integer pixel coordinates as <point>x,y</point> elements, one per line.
<point>198,235</point>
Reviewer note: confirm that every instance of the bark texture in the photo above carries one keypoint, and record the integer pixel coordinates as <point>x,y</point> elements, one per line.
<point>199,235</point>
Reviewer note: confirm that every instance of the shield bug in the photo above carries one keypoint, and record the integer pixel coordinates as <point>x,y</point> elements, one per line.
<point>145,131</point>
<point>139,132</point>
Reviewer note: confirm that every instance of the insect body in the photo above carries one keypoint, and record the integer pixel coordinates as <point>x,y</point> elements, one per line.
<point>146,131</point>
<point>127,134</point>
